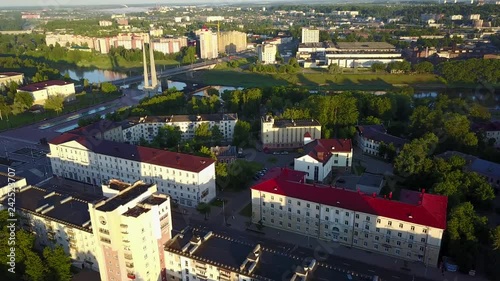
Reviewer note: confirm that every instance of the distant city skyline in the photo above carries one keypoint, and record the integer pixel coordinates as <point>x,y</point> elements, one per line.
<point>54,3</point>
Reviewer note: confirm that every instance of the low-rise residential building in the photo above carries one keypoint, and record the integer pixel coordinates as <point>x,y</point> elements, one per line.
<point>8,77</point>
<point>41,91</point>
<point>410,229</point>
<point>57,219</point>
<point>267,53</point>
<point>196,254</point>
<point>324,156</point>
<point>105,23</point>
<point>188,179</point>
<point>369,138</point>
<point>287,133</point>
<point>225,154</point>
<point>370,183</point>
<point>130,229</point>
<point>491,131</point>
<point>147,127</point>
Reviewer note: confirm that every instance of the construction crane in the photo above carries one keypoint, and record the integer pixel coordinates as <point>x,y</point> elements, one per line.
<point>218,30</point>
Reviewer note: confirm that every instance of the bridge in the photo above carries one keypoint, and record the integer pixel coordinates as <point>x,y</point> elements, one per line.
<point>167,73</point>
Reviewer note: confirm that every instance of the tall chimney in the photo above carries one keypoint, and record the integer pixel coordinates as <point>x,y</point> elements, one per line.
<point>154,79</point>
<point>146,76</point>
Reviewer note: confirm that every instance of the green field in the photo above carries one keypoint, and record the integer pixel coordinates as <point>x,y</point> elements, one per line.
<point>82,101</point>
<point>315,80</point>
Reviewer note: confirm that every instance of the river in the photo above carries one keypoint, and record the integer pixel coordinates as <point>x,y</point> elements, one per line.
<point>487,97</point>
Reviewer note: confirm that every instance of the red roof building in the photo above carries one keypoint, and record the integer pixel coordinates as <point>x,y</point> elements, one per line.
<point>411,228</point>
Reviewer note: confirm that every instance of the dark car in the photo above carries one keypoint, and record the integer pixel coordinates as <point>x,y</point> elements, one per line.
<point>341,180</point>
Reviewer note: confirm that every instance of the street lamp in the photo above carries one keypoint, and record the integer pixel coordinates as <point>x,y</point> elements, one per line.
<point>223,210</point>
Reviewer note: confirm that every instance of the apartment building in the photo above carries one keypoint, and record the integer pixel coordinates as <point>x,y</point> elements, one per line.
<point>56,219</point>
<point>105,23</point>
<point>169,45</point>
<point>369,138</point>
<point>208,45</point>
<point>324,156</point>
<point>490,130</point>
<point>8,77</point>
<point>310,35</point>
<point>267,53</point>
<point>41,91</point>
<point>196,254</point>
<point>231,42</point>
<point>287,133</point>
<point>147,127</point>
<point>101,44</point>
<point>188,179</point>
<point>410,229</point>
<point>130,229</point>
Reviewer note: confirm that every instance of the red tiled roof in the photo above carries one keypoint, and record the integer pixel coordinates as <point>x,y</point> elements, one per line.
<point>307,135</point>
<point>430,212</point>
<point>153,156</point>
<point>323,149</point>
<point>41,85</point>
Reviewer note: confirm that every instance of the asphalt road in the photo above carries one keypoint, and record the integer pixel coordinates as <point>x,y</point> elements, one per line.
<point>180,222</point>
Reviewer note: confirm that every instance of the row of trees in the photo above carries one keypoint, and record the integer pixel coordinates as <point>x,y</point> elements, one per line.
<point>52,264</point>
<point>291,67</point>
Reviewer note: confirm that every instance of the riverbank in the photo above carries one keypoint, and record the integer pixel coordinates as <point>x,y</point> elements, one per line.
<point>322,80</point>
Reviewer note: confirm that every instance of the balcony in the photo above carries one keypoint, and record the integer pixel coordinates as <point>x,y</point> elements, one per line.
<point>128,257</point>
<point>129,265</point>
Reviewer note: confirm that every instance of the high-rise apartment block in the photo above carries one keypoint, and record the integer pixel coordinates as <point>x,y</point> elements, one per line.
<point>267,53</point>
<point>310,35</point>
<point>231,42</point>
<point>80,156</point>
<point>208,45</point>
<point>410,229</point>
<point>130,229</point>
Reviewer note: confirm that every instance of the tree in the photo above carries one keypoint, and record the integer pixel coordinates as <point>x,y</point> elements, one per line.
<point>378,67</point>
<point>35,269</point>
<point>54,103</point>
<point>86,83</point>
<point>423,67</point>
<point>188,55</point>
<point>206,152</point>
<point>66,77</point>
<point>204,209</point>
<point>58,264</point>
<point>412,159</point>
<point>203,133</point>
<point>217,135</point>
<point>4,108</point>
<point>23,101</point>
<point>333,68</point>
<point>108,88</point>
<point>495,235</point>
<point>372,120</point>
<point>241,134</point>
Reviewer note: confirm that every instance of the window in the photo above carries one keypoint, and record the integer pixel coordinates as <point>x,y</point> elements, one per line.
<point>390,223</point>
<point>336,220</point>
<point>336,211</point>
<point>422,240</point>
<point>378,220</point>
<point>317,207</point>
<point>397,251</point>
<point>386,249</point>
<point>411,237</point>
<point>412,228</point>
<point>308,205</point>
<point>298,203</point>
<point>367,227</point>
<point>298,219</point>
<point>400,234</point>
<point>366,235</point>
<point>298,212</point>
<point>356,224</point>
<point>346,223</point>
<point>388,240</point>
<point>367,218</point>
<point>328,210</point>
<point>345,230</point>
<point>355,233</point>
<point>326,226</point>
<point>400,225</point>
<point>289,225</point>
<point>346,214</point>
<point>421,249</point>
<point>376,238</point>
<point>424,230</point>
<point>355,241</point>
<point>377,229</point>
<point>375,246</point>
<point>357,216</point>
<point>410,246</point>
<point>289,209</point>
<point>272,205</point>
<point>317,216</point>
<point>409,254</point>
<point>326,218</point>
<point>398,243</point>
<point>388,232</point>
<point>307,214</point>
<point>365,244</point>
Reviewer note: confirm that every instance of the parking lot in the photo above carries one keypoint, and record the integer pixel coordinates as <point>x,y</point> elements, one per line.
<point>270,160</point>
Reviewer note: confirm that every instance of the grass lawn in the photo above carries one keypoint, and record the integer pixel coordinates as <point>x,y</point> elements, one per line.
<point>82,101</point>
<point>247,211</point>
<point>315,79</point>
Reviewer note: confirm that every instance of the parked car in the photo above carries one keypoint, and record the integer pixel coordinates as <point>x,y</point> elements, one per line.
<point>276,153</point>
<point>449,264</point>
<point>284,152</point>
<point>341,180</point>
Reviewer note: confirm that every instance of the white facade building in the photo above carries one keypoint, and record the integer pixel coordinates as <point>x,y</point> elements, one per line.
<point>410,229</point>
<point>369,138</point>
<point>267,53</point>
<point>209,46</point>
<point>310,35</point>
<point>287,133</point>
<point>41,91</point>
<point>323,156</point>
<point>130,229</point>
<point>8,77</point>
<point>79,156</point>
<point>147,127</point>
